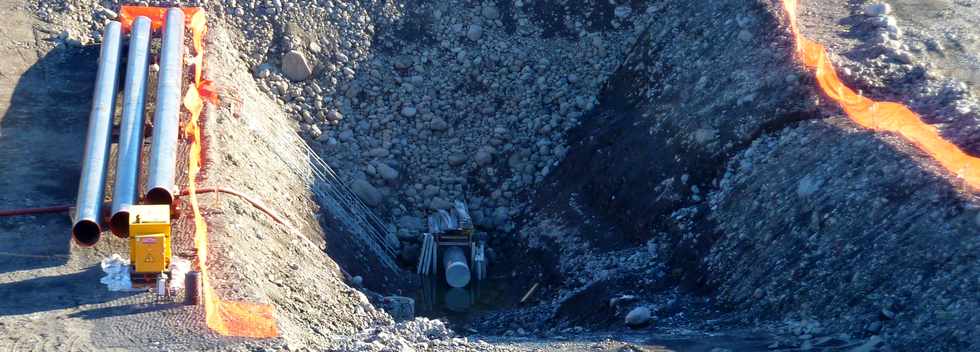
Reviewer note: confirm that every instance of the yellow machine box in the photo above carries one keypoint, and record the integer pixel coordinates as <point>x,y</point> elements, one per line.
<point>149,238</point>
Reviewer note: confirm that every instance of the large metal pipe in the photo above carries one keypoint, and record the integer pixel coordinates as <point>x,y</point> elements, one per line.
<point>454,263</point>
<point>91,187</point>
<point>125,191</point>
<point>163,149</point>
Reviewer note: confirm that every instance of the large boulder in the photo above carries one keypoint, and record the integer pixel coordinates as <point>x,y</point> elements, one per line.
<point>367,192</point>
<point>638,317</point>
<point>295,66</point>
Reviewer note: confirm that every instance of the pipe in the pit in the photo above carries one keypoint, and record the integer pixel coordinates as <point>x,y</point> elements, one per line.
<point>125,191</point>
<point>161,183</point>
<point>95,159</point>
<point>456,270</point>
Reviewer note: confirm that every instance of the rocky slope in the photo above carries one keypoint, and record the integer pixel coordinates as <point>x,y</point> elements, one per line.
<point>715,149</point>
<point>260,260</point>
<point>855,229</point>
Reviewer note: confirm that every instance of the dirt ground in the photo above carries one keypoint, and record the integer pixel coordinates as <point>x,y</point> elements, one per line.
<point>46,284</point>
<point>49,288</point>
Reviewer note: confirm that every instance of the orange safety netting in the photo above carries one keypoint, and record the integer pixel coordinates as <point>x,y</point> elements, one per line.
<point>881,116</point>
<point>157,15</point>
<point>230,318</point>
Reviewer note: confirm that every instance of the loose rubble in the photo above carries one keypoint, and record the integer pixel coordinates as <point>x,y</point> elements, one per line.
<point>420,334</point>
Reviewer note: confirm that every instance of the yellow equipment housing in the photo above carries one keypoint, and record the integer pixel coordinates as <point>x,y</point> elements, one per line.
<point>149,238</point>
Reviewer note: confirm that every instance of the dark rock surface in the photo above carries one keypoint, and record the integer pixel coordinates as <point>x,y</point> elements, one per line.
<point>713,145</point>
<point>688,96</point>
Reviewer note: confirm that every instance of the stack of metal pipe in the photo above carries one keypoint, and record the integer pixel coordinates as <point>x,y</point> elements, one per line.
<point>89,217</point>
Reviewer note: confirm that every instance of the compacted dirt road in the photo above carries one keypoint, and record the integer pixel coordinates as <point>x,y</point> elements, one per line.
<point>42,120</point>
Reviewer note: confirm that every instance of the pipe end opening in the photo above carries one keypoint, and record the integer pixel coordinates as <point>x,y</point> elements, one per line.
<point>159,195</point>
<point>457,275</point>
<point>86,233</point>
<point>119,224</point>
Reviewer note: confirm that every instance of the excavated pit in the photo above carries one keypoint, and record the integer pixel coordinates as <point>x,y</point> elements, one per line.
<point>670,137</point>
<point>668,156</point>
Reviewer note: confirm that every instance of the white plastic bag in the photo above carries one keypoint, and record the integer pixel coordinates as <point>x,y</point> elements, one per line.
<point>178,267</point>
<point>116,271</point>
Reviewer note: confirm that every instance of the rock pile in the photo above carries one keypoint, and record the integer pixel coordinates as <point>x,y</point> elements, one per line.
<point>419,106</point>
<point>420,334</point>
<point>886,31</point>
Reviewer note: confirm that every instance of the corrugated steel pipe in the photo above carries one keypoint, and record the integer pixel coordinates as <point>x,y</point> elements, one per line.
<point>125,191</point>
<point>91,187</point>
<point>163,149</point>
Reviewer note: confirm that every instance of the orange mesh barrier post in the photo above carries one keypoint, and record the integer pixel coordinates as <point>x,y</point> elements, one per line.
<point>230,318</point>
<point>881,116</point>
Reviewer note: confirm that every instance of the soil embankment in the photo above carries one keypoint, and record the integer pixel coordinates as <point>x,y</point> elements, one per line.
<point>715,147</point>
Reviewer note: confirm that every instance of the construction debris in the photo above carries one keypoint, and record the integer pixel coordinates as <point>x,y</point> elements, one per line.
<point>116,277</point>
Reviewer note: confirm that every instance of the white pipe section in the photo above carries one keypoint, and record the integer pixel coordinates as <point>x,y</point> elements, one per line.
<point>457,271</point>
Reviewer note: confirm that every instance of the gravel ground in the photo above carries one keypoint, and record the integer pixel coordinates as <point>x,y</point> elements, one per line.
<point>840,240</point>
<point>260,260</point>
<point>666,166</point>
<point>924,55</point>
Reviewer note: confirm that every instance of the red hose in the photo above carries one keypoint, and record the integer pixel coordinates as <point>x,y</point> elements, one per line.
<point>63,208</point>
<point>32,211</point>
<point>258,205</point>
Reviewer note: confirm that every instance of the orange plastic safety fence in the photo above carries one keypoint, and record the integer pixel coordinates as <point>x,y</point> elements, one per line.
<point>881,116</point>
<point>230,318</point>
<point>157,15</point>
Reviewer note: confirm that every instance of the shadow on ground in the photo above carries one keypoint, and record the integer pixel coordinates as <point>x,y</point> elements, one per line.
<point>128,309</point>
<point>41,142</point>
<point>55,292</point>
